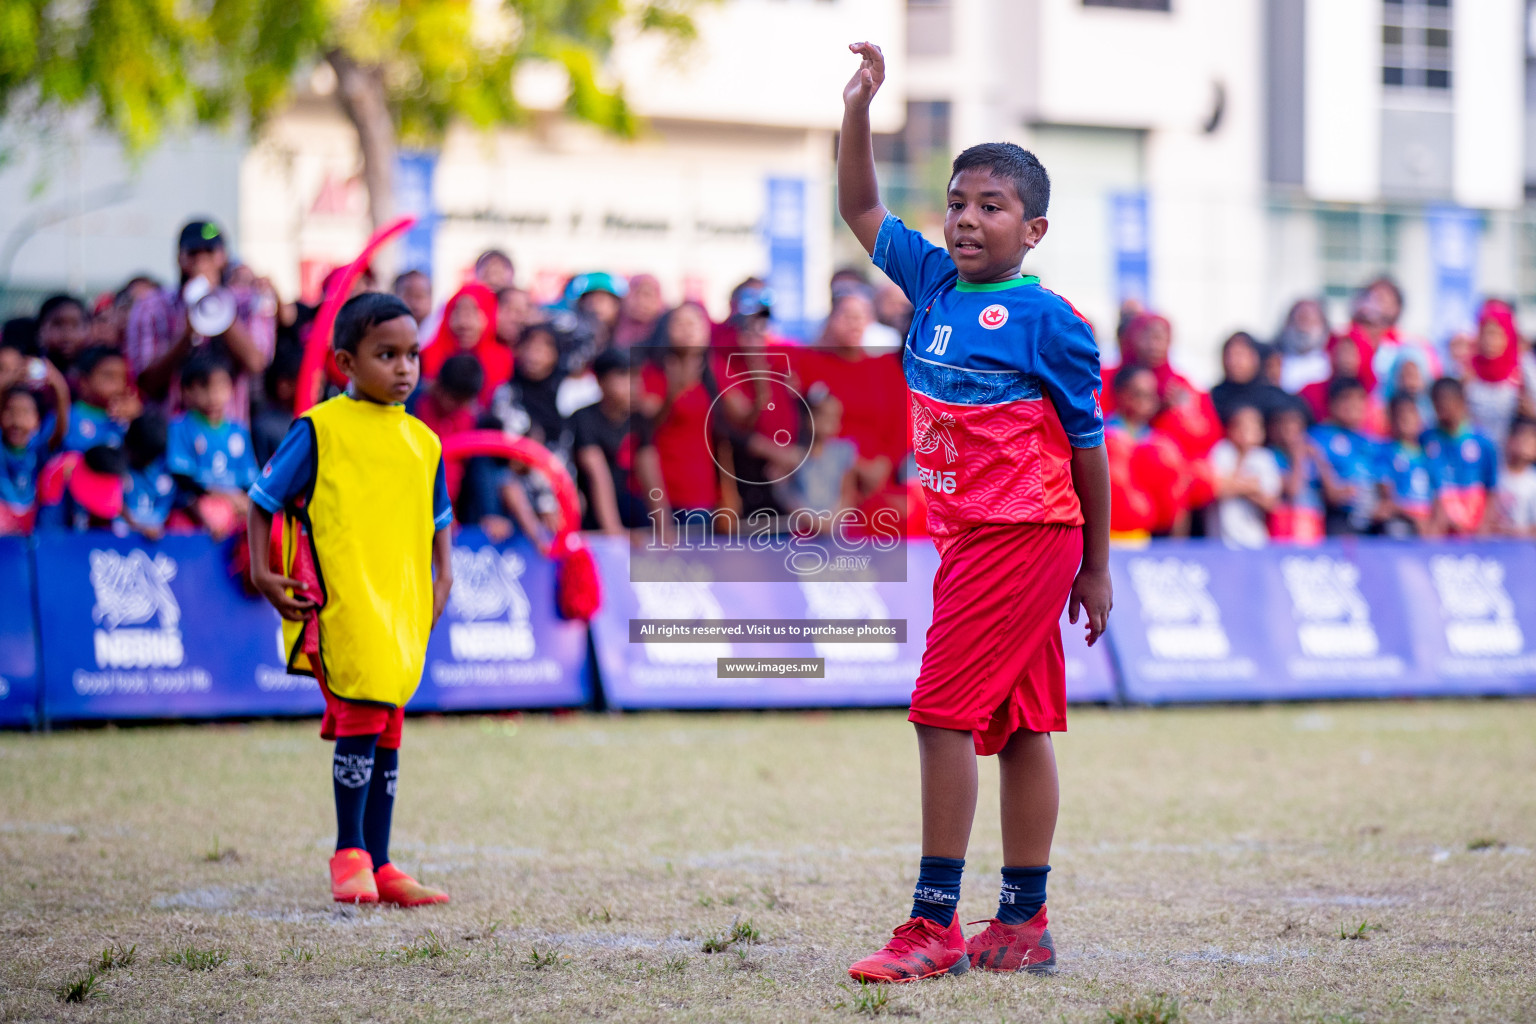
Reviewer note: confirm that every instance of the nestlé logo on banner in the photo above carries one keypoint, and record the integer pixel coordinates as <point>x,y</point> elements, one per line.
<point>1333,619</point>
<point>1478,612</point>
<point>138,618</point>
<point>1183,621</point>
<point>491,606</point>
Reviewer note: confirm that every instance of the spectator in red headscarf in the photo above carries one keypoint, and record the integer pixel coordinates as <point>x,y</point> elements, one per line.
<point>1151,478</point>
<point>1186,415</point>
<point>469,325</point>
<point>1494,385</point>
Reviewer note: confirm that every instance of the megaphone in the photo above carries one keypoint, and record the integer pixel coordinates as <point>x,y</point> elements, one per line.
<point>210,311</point>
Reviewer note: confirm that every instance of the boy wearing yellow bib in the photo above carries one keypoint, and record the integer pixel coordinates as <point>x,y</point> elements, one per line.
<point>362,575</point>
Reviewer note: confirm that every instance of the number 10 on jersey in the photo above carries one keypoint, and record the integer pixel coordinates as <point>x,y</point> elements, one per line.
<point>940,342</point>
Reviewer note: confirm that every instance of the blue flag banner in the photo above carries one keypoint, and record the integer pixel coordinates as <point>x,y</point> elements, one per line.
<point>500,643</point>
<point>639,674</point>
<point>18,636</point>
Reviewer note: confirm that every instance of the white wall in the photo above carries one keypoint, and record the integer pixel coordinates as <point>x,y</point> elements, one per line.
<point>1488,88</point>
<point>1343,100</point>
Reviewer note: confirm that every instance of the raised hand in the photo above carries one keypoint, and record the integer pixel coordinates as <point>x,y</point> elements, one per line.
<point>866,81</point>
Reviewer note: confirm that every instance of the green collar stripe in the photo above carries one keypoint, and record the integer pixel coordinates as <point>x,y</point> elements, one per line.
<point>996,286</point>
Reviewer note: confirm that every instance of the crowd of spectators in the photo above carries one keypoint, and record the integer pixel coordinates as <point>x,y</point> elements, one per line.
<point>120,414</point>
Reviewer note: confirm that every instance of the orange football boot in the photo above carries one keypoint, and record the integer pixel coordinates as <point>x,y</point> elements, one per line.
<point>352,877</point>
<point>399,888</point>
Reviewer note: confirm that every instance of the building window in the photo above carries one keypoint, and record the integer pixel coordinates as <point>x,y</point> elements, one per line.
<point>1355,244</point>
<point>1416,44</point>
<point>1134,5</point>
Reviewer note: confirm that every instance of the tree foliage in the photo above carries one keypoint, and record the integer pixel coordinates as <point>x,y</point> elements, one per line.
<point>144,66</point>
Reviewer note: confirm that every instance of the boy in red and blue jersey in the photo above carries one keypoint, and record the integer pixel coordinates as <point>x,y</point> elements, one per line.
<point>1466,462</point>
<point>1009,438</point>
<point>1353,457</point>
<point>210,456</point>
<point>1406,479</point>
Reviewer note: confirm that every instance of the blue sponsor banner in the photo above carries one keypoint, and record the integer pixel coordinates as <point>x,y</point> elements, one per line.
<point>18,636</point>
<point>501,643</point>
<point>137,630</point>
<point>685,675</point>
<point>785,226</point>
<point>1454,234</point>
<point>1130,237</point>
<point>413,195</point>
<point>1366,618</point>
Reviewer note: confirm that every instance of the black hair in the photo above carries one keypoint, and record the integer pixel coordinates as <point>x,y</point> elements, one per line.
<point>201,366</point>
<point>127,288</point>
<point>1243,338</point>
<point>1447,385</point>
<point>1226,421</point>
<point>1126,374</point>
<point>287,359</point>
<point>1340,386</point>
<point>1398,401</point>
<point>1015,163</point>
<point>20,389</point>
<point>53,303</point>
<point>104,459</point>
<point>610,360</point>
<point>20,333</point>
<point>145,439</point>
<point>502,293</point>
<point>462,376</point>
<point>492,254</point>
<point>1386,281</point>
<point>93,356</point>
<point>406,275</point>
<point>1521,423</point>
<point>361,314</point>
<point>543,327</point>
<point>1291,404</point>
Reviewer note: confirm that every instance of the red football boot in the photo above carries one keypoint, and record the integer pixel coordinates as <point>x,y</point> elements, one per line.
<point>352,877</point>
<point>399,888</point>
<point>1013,947</point>
<point>918,949</point>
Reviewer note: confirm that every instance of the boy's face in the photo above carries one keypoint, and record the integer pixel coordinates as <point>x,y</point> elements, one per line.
<point>387,363</point>
<point>66,330</point>
<point>106,383</point>
<point>1246,428</point>
<point>416,292</point>
<point>1240,361</point>
<point>1521,446</point>
<point>19,420</point>
<point>1407,424</point>
<point>210,397</point>
<point>985,229</point>
<point>1289,427</point>
<point>617,387</point>
<point>537,355</point>
<point>513,310</point>
<point>601,306</point>
<point>1348,409</point>
<point>1137,399</point>
<point>1450,408</point>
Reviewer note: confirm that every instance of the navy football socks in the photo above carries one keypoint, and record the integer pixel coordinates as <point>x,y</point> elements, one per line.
<point>1023,894</point>
<point>351,770</point>
<point>938,889</point>
<point>381,804</point>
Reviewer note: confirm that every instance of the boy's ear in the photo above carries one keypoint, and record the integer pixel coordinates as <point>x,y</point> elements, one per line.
<point>1034,231</point>
<point>345,361</point>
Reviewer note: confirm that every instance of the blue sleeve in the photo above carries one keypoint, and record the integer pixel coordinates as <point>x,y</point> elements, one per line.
<point>909,259</point>
<point>1068,366</point>
<point>1490,467</point>
<point>180,459</point>
<point>442,508</point>
<point>290,471</point>
<point>244,468</point>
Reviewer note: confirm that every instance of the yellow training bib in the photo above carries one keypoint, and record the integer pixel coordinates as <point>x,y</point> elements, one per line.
<point>370,517</point>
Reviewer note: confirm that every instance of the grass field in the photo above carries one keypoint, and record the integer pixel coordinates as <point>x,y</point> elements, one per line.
<point>1319,863</point>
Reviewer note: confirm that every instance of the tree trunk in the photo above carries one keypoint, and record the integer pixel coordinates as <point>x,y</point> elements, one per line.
<point>360,87</point>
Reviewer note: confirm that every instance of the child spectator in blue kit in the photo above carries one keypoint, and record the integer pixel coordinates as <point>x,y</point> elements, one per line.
<point>27,438</point>
<point>1298,515</point>
<point>1406,481</point>
<point>210,456</point>
<point>1466,463</point>
<point>105,402</point>
<point>1352,456</point>
<point>149,490</point>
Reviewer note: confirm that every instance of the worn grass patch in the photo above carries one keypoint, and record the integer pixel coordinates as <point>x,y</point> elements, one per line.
<point>1366,863</point>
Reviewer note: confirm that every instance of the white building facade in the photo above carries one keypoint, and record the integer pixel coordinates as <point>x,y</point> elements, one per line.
<point>1222,158</point>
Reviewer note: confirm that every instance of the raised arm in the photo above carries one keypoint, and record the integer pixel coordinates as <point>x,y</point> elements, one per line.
<point>858,191</point>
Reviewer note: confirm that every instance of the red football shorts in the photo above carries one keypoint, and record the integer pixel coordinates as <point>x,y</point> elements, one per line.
<point>353,718</point>
<point>993,663</point>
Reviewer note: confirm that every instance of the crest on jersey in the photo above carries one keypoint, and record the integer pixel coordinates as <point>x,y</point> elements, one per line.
<point>930,432</point>
<point>994,316</point>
